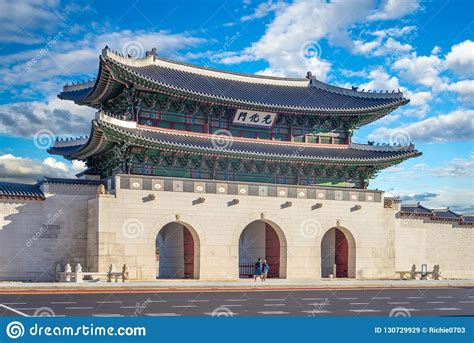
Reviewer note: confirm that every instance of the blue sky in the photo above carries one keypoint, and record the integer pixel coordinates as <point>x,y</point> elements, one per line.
<point>424,48</point>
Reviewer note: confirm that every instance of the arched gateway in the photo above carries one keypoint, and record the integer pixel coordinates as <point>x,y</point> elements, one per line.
<point>338,253</point>
<point>264,240</point>
<point>177,252</point>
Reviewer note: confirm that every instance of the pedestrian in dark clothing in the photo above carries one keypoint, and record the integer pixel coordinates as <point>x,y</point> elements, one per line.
<point>258,269</point>
<point>265,269</point>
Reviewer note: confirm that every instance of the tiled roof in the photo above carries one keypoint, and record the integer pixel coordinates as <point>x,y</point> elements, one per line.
<point>467,220</point>
<point>276,94</point>
<point>20,190</point>
<point>444,214</point>
<point>241,147</point>
<point>70,181</point>
<point>415,209</point>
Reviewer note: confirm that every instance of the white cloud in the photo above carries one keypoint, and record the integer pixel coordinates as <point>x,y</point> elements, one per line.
<point>454,126</point>
<point>458,200</point>
<point>61,118</point>
<point>422,70</point>
<point>291,49</point>
<point>461,59</point>
<point>24,21</point>
<point>73,59</point>
<point>394,9</point>
<point>464,88</point>
<point>263,9</point>
<point>381,80</point>
<point>28,170</point>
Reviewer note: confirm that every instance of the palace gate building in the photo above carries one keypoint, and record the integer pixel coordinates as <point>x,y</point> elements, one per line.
<point>195,173</point>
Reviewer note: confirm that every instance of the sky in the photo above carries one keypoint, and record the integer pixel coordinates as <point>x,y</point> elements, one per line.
<point>424,48</point>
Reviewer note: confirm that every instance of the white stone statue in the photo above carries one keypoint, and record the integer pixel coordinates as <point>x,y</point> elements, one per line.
<point>78,268</point>
<point>68,268</point>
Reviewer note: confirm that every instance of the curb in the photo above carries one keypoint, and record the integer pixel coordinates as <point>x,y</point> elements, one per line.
<point>181,289</point>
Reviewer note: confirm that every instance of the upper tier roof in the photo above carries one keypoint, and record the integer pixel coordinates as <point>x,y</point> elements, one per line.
<point>107,131</point>
<point>287,95</point>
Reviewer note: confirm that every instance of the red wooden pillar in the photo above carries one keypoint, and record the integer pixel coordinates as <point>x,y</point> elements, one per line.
<point>272,251</point>
<point>342,254</point>
<point>188,245</point>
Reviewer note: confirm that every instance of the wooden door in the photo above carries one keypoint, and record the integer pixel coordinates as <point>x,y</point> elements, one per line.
<point>342,254</point>
<point>272,251</point>
<point>188,245</point>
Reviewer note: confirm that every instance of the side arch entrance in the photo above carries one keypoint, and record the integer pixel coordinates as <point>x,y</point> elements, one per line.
<point>338,253</point>
<point>177,252</point>
<point>261,239</point>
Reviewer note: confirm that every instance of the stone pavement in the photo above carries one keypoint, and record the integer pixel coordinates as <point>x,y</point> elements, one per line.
<point>247,284</point>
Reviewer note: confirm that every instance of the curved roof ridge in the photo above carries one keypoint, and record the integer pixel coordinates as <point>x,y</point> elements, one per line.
<point>152,59</point>
<point>311,81</point>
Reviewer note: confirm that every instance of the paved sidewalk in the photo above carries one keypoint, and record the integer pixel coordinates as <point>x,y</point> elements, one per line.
<point>247,284</point>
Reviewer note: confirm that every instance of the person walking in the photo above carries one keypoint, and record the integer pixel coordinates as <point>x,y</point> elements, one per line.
<point>258,269</point>
<point>265,269</point>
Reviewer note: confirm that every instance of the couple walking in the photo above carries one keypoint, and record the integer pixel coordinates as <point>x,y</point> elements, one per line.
<point>261,269</point>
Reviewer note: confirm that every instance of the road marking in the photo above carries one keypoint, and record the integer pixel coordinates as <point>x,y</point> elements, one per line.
<point>317,311</point>
<point>236,299</point>
<point>63,302</point>
<point>273,299</point>
<point>109,302</point>
<point>158,301</point>
<point>274,305</point>
<point>198,301</point>
<point>107,315</point>
<point>318,304</point>
<point>79,308</point>
<point>447,309</point>
<point>435,302</point>
<point>466,302</point>
<point>184,306</point>
<point>13,310</point>
<point>365,310</point>
<point>128,306</point>
<point>398,302</point>
<point>14,303</point>
<point>348,298</point>
<point>273,312</point>
<point>312,299</point>
<point>358,303</point>
<point>415,297</point>
<point>231,305</point>
<point>163,314</point>
<point>381,298</point>
<point>221,314</point>
<point>26,308</point>
<point>446,297</point>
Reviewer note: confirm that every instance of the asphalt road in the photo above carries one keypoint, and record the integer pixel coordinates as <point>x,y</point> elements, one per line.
<point>368,302</point>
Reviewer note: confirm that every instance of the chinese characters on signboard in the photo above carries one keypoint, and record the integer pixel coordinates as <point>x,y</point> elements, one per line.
<point>254,118</point>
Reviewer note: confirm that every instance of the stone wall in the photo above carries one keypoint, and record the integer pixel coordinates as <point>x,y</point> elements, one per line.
<point>36,235</point>
<point>75,225</point>
<point>421,241</point>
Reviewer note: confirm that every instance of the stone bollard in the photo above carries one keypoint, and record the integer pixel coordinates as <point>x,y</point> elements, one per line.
<point>124,273</point>
<point>58,273</point>
<point>413,272</point>
<point>78,277</point>
<point>68,271</point>
<point>110,273</point>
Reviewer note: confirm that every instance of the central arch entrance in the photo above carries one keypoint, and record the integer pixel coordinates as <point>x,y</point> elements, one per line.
<point>264,240</point>
<point>338,253</point>
<point>177,252</point>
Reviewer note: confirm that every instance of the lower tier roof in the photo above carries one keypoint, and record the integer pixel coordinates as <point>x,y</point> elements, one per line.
<point>107,132</point>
